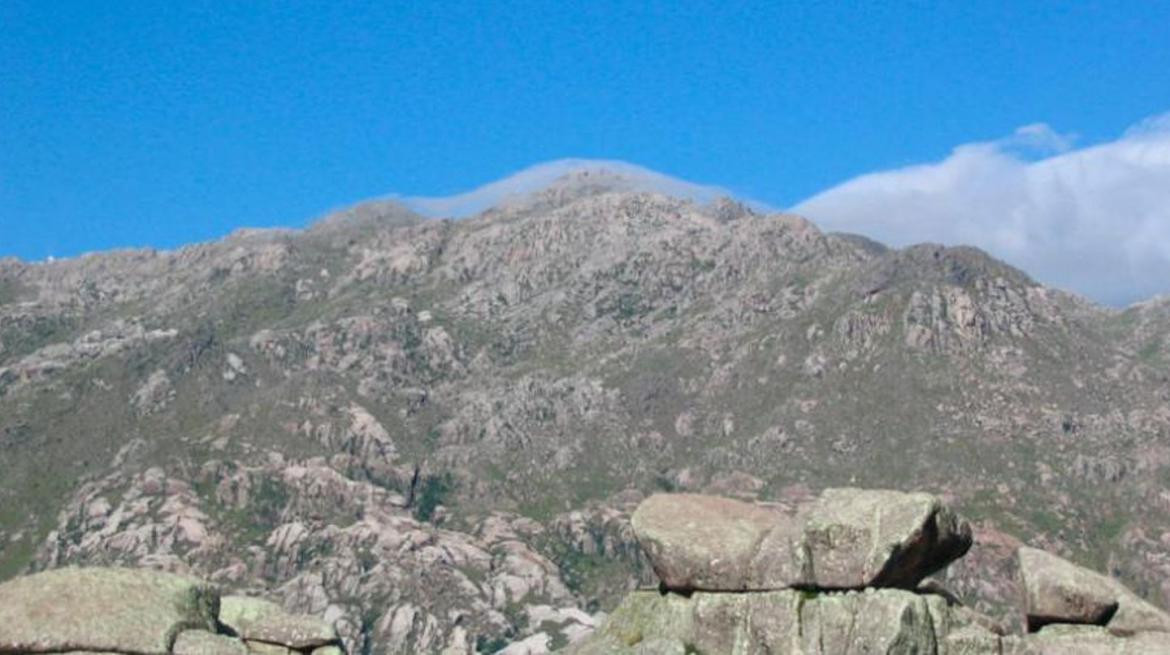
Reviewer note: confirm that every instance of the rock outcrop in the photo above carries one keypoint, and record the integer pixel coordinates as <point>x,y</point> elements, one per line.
<point>847,539</point>
<point>1058,591</point>
<point>141,612</point>
<point>841,575</point>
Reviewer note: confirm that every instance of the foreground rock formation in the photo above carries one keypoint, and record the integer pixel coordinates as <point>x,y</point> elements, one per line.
<point>111,610</point>
<point>844,575</point>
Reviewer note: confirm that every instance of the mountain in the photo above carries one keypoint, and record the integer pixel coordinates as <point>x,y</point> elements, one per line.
<point>581,174</point>
<point>432,432</point>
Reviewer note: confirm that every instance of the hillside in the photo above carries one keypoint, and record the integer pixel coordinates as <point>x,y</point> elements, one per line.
<point>432,432</point>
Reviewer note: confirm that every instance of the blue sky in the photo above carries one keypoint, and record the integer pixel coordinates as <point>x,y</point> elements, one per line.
<point>132,124</point>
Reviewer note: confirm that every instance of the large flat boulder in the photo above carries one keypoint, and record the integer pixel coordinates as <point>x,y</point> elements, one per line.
<point>702,542</point>
<point>1058,591</point>
<point>846,539</point>
<point>102,609</point>
<point>257,620</point>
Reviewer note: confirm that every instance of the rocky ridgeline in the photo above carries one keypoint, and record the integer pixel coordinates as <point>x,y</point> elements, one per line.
<point>847,573</point>
<point>142,612</point>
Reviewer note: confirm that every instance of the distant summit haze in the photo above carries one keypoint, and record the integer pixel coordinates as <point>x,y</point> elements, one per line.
<point>607,174</point>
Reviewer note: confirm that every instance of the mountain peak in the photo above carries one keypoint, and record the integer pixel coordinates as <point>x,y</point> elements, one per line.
<point>563,176</point>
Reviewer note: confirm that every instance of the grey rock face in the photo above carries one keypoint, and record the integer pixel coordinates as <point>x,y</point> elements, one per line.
<point>102,610</point>
<point>865,538</point>
<point>1058,591</point>
<point>199,642</point>
<point>143,612</point>
<point>847,539</point>
<point>257,620</point>
<point>787,621</point>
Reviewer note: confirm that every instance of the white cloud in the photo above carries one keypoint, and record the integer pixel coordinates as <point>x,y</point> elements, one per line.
<point>541,176</point>
<point>1094,220</point>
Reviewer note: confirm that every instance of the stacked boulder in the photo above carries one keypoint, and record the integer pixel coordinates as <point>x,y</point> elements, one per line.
<point>115,610</point>
<point>845,574</point>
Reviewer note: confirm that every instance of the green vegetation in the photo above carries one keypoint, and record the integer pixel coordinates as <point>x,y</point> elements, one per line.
<point>487,645</point>
<point>435,490</point>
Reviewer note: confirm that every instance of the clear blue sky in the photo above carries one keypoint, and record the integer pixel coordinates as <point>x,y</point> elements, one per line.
<point>161,123</point>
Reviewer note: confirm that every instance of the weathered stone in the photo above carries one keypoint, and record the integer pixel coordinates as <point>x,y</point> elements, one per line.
<point>847,539</point>
<point>328,650</point>
<point>263,648</point>
<point>257,620</point>
<point>870,538</point>
<point>1135,615</point>
<point>702,542</point>
<point>102,609</point>
<point>660,647</point>
<point>786,621</point>
<point>1058,591</point>
<point>970,639</point>
<point>200,642</point>
<point>880,621</point>
<point>1069,639</point>
<point>237,611</point>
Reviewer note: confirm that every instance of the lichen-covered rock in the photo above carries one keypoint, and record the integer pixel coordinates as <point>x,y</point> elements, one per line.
<point>785,621</point>
<point>847,539</point>
<point>874,538</point>
<point>970,640</point>
<point>880,621</point>
<point>1068,639</point>
<point>236,612</point>
<point>257,620</point>
<point>262,648</point>
<point>1058,591</point>
<point>200,642</point>
<point>102,609</point>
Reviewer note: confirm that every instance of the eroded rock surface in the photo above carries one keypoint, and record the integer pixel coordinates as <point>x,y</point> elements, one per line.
<point>846,539</point>
<point>99,609</point>
<point>1058,591</point>
<point>144,612</point>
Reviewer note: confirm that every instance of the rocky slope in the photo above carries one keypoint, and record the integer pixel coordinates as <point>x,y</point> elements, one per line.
<point>433,432</point>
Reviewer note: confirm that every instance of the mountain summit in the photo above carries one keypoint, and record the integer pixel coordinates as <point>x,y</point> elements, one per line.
<point>565,175</point>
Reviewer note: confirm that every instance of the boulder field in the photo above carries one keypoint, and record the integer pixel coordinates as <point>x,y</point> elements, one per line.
<point>844,574</point>
<point>143,612</point>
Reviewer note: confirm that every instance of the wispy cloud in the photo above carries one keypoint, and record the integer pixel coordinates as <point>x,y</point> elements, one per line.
<point>1095,220</point>
<point>541,176</point>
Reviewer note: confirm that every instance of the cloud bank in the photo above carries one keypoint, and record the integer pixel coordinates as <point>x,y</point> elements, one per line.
<point>1093,220</point>
<point>541,176</point>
